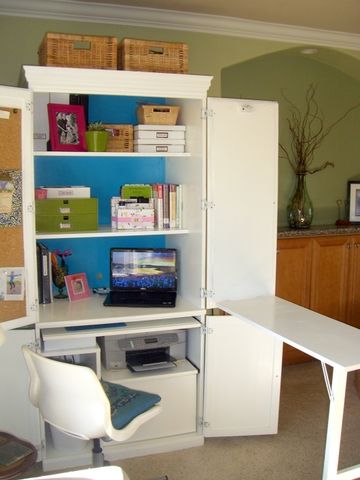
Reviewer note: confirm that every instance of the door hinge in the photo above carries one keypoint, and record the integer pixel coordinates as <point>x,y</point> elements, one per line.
<point>206,330</point>
<point>204,423</point>
<point>204,293</point>
<point>207,204</point>
<point>29,106</point>
<point>30,208</point>
<point>207,112</point>
<point>34,307</point>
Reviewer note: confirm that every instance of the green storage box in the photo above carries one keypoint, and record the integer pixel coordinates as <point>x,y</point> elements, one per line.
<point>66,215</point>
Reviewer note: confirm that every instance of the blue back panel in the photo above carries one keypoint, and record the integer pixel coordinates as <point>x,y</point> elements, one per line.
<point>104,175</point>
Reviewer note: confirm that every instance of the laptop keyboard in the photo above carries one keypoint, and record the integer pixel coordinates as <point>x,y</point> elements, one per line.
<point>140,299</point>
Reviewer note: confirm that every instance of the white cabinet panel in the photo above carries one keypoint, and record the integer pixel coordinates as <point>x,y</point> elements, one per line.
<point>18,416</point>
<point>242,186</point>
<point>242,379</point>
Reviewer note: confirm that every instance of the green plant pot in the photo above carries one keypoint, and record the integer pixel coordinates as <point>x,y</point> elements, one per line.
<point>96,141</point>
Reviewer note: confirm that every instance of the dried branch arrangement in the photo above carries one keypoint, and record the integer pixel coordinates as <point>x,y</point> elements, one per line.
<point>307,132</point>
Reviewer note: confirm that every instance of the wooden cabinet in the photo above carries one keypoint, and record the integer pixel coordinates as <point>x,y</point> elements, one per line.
<point>293,275</point>
<point>293,270</point>
<point>330,276</point>
<point>353,308</point>
<point>321,273</point>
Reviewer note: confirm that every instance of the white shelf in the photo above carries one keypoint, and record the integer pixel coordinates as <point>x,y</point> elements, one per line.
<point>60,334</point>
<point>91,311</point>
<point>108,154</point>
<point>183,367</point>
<point>107,231</point>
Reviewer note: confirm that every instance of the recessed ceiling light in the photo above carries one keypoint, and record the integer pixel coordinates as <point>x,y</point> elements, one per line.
<point>309,51</point>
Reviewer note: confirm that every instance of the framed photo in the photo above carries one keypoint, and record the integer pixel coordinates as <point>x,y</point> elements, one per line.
<point>354,201</point>
<point>12,281</point>
<point>67,127</point>
<point>77,286</point>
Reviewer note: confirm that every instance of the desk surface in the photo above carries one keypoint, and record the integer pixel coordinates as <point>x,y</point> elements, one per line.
<point>90,311</point>
<point>328,340</point>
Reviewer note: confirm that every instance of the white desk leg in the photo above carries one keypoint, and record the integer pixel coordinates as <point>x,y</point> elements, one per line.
<point>335,420</point>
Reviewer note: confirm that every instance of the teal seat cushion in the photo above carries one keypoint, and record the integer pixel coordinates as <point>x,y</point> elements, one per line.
<point>126,403</point>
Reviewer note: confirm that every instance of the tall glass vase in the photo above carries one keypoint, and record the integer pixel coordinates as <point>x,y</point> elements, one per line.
<point>300,209</point>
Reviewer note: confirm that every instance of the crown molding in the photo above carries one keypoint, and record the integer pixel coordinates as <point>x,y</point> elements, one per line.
<point>157,18</point>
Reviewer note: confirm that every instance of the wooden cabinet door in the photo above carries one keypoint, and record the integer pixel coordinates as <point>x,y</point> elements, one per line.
<point>293,275</point>
<point>293,272</point>
<point>330,276</point>
<point>353,312</point>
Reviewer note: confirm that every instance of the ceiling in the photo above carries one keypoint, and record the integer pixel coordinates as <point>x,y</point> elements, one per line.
<point>334,15</point>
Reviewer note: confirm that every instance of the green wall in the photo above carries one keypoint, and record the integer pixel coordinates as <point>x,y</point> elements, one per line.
<point>241,67</point>
<point>290,73</point>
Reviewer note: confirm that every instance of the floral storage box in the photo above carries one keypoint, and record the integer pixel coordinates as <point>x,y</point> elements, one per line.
<point>66,215</point>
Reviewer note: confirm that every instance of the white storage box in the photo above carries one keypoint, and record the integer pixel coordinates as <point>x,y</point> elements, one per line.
<point>159,146</point>
<point>171,132</point>
<point>67,192</point>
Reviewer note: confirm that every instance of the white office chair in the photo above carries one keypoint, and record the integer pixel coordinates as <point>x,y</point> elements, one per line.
<point>72,399</point>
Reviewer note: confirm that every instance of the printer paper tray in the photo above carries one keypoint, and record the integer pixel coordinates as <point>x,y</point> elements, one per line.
<point>146,362</point>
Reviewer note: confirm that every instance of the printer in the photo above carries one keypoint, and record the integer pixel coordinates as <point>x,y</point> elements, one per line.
<point>143,352</point>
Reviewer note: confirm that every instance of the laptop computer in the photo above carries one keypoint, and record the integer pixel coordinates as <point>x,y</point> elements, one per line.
<point>142,277</point>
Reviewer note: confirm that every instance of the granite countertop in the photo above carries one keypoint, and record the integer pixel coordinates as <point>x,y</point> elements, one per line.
<point>318,230</point>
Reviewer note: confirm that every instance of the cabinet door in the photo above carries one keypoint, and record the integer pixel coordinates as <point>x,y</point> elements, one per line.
<point>293,275</point>
<point>293,270</point>
<point>242,378</point>
<point>17,298</point>
<point>330,276</point>
<point>242,190</point>
<point>353,312</point>
<point>18,416</point>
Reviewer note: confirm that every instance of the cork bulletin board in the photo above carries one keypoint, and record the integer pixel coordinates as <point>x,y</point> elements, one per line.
<point>11,225</point>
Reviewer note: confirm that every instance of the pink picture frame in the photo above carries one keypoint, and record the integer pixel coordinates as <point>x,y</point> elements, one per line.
<point>77,286</point>
<point>67,127</point>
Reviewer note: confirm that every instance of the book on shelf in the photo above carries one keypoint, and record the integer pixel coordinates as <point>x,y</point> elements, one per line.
<point>166,212</point>
<point>43,257</point>
<point>157,189</point>
<point>165,199</point>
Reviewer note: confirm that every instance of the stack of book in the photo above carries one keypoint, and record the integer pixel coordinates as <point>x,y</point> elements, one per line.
<point>147,206</point>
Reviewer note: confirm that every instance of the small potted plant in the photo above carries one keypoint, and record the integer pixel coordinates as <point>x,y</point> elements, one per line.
<point>96,137</point>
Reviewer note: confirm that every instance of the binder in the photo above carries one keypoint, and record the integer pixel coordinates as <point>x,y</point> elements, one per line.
<point>44,273</point>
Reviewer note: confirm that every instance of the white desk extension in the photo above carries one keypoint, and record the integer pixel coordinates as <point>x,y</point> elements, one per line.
<point>332,342</point>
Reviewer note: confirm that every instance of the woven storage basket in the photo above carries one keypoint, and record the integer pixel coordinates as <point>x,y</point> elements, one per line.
<point>153,56</point>
<point>157,114</point>
<point>82,51</point>
<point>121,138</point>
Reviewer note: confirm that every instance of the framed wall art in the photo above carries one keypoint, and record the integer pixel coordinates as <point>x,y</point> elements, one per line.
<point>67,127</point>
<point>354,201</point>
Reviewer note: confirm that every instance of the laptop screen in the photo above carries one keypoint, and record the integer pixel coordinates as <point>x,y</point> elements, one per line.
<point>152,269</point>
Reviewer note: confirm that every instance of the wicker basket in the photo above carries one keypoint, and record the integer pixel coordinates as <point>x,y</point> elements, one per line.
<point>153,56</point>
<point>82,51</point>
<point>121,138</point>
<point>157,114</point>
